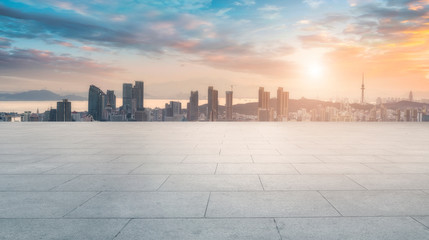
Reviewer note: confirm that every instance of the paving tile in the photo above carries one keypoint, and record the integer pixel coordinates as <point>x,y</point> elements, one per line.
<point>269,204</point>
<point>143,205</point>
<point>150,158</point>
<point>218,159</point>
<point>204,229</point>
<point>352,228</point>
<point>308,182</point>
<point>255,168</point>
<point>113,183</point>
<point>70,151</point>
<point>67,229</point>
<point>351,159</point>
<point>27,168</point>
<point>393,181</point>
<point>211,183</point>
<point>22,158</point>
<point>82,158</point>
<point>14,183</point>
<point>423,220</point>
<point>400,167</point>
<point>175,168</point>
<point>406,158</point>
<point>95,168</point>
<point>40,204</point>
<point>379,203</point>
<point>284,159</point>
<point>333,168</point>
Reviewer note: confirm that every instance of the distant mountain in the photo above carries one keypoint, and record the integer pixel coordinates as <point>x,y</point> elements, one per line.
<point>405,104</point>
<point>37,95</point>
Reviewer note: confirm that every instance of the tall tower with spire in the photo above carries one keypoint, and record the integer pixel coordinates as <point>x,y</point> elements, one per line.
<point>363,89</point>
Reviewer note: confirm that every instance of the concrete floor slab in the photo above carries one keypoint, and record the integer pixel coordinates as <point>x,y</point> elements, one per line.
<point>392,181</point>
<point>66,229</point>
<point>40,204</point>
<point>352,228</point>
<point>143,205</point>
<point>212,183</point>
<point>203,229</point>
<point>214,180</point>
<point>95,183</point>
<point>379,203</point>
<point>308,182</point>
<point>269,204</point>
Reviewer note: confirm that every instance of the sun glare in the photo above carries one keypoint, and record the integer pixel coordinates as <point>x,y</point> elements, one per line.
<point>315,70</point>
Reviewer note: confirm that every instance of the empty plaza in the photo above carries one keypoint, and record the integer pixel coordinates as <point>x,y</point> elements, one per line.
<point>214,180</point>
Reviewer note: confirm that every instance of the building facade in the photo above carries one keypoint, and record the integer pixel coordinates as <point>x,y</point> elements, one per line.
<point>64,111</point>
<point>228,105</point>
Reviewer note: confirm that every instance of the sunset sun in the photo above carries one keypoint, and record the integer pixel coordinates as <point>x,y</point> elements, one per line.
<point>315,70</point>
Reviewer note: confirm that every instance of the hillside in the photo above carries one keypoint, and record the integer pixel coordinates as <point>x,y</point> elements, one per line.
<point>37,95</point>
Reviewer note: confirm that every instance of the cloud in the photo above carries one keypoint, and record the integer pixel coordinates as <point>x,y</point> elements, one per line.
<point>222,12</point>
<point>150,32</point>
<point>270,11</point>
<point>270,8</point>
<point>91,49</point>
<point>303,22</point>
<point>244,3</point>
<point>62,43</point>
<point>314,3</point>
<point>5,42</point>
<point>33,59</point>
<point>319,40</point>
<point>250,64</point>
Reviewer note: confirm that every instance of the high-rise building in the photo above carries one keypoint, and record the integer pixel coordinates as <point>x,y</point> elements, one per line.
<point>172,111</point>
<point>266,101</point>
<point>228,105</point>
<point>127,96</point>
<point>260,97</point>
<point>282,104</point>
<point>96,103</point>
<point>410,97</point>
<point>193,107</point>
<point>53,115</point>
<point>209,102</point>
<point>138,94</point>
<point>64,111</point>
<point>265,113</point>
<point>212,104</point>
<point>111,99</point>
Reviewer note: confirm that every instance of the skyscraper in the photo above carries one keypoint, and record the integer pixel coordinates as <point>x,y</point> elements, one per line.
<point>172,111</point>
<point>64,111</point>
<point>266,100</point>
<point>215,109</point>
<point>209,102</point>
<point>111,99</point>
<point>228,106</point>
<point>212,104</point>
<point>410,96</point>
<point>193,106</point>
<point>96,102</point>
<point>260,97</point>
<point>138,94</point>
<point>265,112</point>
<point>282,104</point>
<point>127,96</point>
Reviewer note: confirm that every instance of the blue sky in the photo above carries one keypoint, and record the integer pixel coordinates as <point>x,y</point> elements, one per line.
<point>313,48</point>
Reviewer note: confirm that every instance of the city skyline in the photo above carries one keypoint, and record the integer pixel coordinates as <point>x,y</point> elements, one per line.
<point>317,49</point>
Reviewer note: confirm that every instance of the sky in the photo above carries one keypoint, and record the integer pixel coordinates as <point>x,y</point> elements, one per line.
<point>312,48</point>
